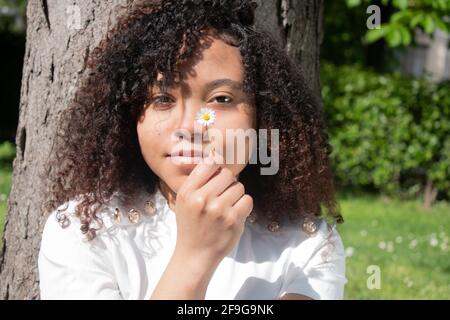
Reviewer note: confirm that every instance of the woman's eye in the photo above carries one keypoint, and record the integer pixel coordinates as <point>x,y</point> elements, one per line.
<point>223,99</point>
<point>162,100</point>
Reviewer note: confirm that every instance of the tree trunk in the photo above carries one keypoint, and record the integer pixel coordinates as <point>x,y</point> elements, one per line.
<point>430,194</point>
<point>298,26</point>
<point>56,51</point>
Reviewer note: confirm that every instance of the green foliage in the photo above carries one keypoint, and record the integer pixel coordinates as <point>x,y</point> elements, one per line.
<point>5,187</point>
<point>388,132</point>
<point>15,11</point>
<point>344,30</point>
<point>7,153</point>
<point>428,15</point>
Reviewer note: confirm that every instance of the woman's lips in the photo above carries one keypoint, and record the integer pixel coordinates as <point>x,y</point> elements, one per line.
<point>187,156</point>
<point>185,160</point>
<point>187,153</point>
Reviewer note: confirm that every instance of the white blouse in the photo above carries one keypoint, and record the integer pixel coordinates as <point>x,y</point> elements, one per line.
<point>126,260</point>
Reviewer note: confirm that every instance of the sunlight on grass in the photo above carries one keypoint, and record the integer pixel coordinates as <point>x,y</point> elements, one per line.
<point>410,245</point>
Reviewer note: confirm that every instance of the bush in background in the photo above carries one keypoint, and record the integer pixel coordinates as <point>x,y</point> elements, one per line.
<point>388,132</point>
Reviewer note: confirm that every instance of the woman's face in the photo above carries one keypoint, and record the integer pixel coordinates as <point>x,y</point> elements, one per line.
<point>168,129</point>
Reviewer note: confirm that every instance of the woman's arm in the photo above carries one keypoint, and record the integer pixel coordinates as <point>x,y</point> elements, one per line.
<point>185,278</point>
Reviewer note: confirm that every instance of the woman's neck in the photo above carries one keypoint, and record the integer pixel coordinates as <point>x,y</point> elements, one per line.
<point>168,193</point>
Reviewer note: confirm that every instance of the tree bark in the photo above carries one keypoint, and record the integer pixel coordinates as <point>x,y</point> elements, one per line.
<point>55,58</point>
<point>298,26</point>
<point>430,194</point>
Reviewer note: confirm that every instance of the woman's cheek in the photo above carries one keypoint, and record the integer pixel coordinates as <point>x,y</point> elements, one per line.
<point>238,139</point>
<point>149,134</point>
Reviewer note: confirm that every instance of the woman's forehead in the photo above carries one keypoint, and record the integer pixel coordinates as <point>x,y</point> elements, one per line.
<point>219,63</point>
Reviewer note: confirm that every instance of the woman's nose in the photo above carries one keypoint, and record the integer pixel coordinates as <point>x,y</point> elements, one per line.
<point>187,123</point>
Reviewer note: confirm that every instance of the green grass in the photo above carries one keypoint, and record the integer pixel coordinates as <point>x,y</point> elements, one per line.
<point>5,186</point>
<point>7,154</point>
<point>410,245</point>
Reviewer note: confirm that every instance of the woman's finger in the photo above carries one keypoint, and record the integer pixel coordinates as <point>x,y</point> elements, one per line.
<point>218,183</point>
<point>243,207</point>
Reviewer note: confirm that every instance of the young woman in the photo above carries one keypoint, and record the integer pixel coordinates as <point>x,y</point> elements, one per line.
<point>145,204</point>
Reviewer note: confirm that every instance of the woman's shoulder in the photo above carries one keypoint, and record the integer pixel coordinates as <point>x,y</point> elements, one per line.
<point>64,223</point>
<point>63,230</point>
<point>303,238</point>
<point>70,266</point>
<point>311,230</point>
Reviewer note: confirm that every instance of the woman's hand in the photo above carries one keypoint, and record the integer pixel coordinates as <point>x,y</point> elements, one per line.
<point>211,209</point>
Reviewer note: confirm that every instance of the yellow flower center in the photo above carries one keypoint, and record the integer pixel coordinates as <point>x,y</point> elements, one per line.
<point>206,117</point>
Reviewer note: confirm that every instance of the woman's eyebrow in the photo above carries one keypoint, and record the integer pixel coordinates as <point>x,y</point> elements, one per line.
<point>236,85</point>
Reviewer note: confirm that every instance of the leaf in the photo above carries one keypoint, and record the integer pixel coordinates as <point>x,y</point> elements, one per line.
<point>394,37</point>
<point>396,17</point>
<point>441,4</point>
<point>406,35</point>
<point>353,3</point>
<point>416,20</point>
<point>375,34</point>
<point>428,24</point>
<point>400,4</point>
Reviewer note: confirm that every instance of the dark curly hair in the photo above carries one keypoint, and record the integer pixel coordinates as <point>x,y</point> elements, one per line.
<point>96,150</point>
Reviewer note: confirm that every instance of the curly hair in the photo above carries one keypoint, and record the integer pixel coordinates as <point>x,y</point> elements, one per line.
<point>96,150</point>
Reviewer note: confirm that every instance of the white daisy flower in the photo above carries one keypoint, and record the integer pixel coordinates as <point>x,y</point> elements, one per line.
<point>349,251</point>
<point>413,244</point>
<point>206,116</point>
<point>434,242</point>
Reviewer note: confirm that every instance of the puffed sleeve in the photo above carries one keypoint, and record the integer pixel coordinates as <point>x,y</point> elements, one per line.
<point>70,268</point>
<point>320,276</point>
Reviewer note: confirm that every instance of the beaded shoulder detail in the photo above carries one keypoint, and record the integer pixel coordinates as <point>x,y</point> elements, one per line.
<point>145,206</point>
